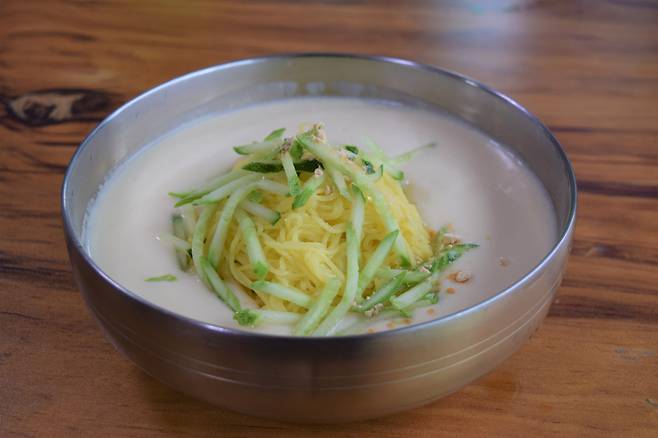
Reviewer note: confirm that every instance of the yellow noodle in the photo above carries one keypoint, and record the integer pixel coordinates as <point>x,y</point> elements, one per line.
<point>306,246</point>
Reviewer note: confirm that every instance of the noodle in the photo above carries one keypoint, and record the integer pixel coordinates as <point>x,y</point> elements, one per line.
<point>307,246</point>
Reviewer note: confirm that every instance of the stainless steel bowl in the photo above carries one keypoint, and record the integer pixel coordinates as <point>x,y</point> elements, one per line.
<point>311,379</point>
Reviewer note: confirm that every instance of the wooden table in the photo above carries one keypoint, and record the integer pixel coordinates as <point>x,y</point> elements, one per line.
<point>589,69</point>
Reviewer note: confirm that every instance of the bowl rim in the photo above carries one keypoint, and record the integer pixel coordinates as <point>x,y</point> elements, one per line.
<point>564,234</point>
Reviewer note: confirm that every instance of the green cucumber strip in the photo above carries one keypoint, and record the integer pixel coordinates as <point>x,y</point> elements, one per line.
<point>376,260</point>
<point>411,277</point>
<point>217,243</point>
<point>178,226</point>
<point>199,237</point>
<point>448,256</point>
<point>176,242</point>
<point>188,213</point>
<point>263,166</point>
<point>439,265</point>
<point>225,190</point>
<point>415,293</point>
<point>255,196</point>
<point>375,150</point>
<point>261,211</point>
<point>310,187</point>
<point>328,326</point>
<point>294,185</point>
<point>218,286</point>
<point>286,293</point>
<point>277,166</point>
<point>383,294</point>
<point>328,156</point>
<point>296,150</point>
<point>363,323</point>
<point>166,277</point>
<point>254,249</point>
<point>339,181</point>
<point>277,134</point>
<point>379,159</point>
<point>259,147</point>
<point>267,185</point>
<point>319,308</point>
<point>211,185</point>
<point>358,212</point>
<point>405,157</point>
<point>256,317</point>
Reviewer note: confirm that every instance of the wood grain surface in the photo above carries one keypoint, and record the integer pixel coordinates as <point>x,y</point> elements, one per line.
<point>589,69</point>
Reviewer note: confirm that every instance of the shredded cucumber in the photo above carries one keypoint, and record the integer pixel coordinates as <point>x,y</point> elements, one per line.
<point>256,317</point>
<point>210,186</point>
<point>261,211</point>
<point>439,264</point>
<point>308,189</point>
<point>225,190</point>
<point>284,292</point>
<point>188,213</point>
<point>254,250</point>
<point>267,185</point>
<point>319,308</point>
<point>294,186</point>
<point>328,156</point>
<point>178,243</point>
<point>328,326</point>
<point>218,285</point>
<point>376,260</point>
<point>277,166</point>
<point>218,238</point>
<point>339,181</point>
<point>199,238</point>
<point>166,277</point>
<point>358,212</point>
<point>383,294</point>
<point>271,142</point>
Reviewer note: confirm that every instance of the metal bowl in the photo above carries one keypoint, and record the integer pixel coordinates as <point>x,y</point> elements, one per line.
<point>317,379</point>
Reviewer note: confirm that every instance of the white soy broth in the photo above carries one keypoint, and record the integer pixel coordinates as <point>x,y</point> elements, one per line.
<point>485,191</point>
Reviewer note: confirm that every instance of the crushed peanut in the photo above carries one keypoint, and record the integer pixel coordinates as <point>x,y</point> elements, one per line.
<point>374,311</point>
<point>287,144</point>
<point>319,136</point>
<point>504,261</point>
<point>450,290</point>
<point>460,276</point>
<point>451,239</point>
